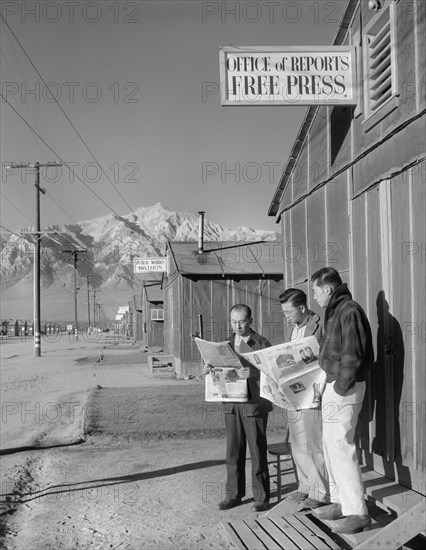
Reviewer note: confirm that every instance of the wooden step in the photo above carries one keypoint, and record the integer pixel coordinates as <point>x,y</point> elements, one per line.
<point>349,541</point>
<point>303,531</point>
<point>293,532</point>
<point>389,494</point>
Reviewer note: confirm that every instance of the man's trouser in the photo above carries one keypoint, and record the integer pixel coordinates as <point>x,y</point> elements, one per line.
<point>340,417</point>
<point>305,427</point>
<point>240,430</point>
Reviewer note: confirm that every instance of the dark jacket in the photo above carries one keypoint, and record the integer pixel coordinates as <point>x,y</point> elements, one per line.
<point>255,405</point>
<point>313,327</point>
<point>346,349</point>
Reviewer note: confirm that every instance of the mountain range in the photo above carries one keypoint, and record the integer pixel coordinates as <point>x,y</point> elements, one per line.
<point>103,249</point>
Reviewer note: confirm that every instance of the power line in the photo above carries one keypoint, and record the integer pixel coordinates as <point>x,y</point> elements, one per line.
<point>74,128</point>
<point>56,154</point>
<point>126,222</point>
<point>60,207</point>
<point>9,222</point>
<point>9,231</point>
<point>30,111</point>
<point>20,211</point>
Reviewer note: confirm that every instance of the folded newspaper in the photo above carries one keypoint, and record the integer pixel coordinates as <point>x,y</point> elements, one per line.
<point>227,380</point>
<point>290,374</point>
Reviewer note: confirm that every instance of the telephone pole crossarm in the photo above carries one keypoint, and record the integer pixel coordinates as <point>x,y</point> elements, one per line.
<point>75,252</point>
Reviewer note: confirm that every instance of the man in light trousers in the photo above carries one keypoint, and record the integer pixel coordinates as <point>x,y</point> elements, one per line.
<point>346,355</point>
<point>305,425</point>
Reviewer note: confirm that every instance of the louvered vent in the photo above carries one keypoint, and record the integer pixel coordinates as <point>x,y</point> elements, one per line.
<point>380,62</point>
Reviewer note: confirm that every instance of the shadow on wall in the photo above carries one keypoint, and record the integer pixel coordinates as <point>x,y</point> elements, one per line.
<point>385,391</point>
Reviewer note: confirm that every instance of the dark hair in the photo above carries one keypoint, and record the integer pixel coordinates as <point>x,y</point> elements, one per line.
<point>295,296</point>
<point>327,276</point>
<point>241,307</point>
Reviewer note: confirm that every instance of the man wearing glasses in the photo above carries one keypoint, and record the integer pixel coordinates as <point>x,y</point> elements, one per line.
<point>246,422</point>
<point>305,425</point>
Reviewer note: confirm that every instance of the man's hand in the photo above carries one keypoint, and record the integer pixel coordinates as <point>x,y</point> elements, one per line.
<point>207,368</point>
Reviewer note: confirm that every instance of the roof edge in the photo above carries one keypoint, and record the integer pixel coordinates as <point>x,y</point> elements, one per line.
<point>308,118</point>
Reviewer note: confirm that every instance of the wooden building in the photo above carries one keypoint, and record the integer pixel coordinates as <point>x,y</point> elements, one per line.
<point>208,284</point>
<point>152,319</point>
<point>353,196</point>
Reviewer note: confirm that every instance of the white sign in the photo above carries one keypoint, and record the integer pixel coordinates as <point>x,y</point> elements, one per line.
<point>297,75</point>
<point>145,265</point>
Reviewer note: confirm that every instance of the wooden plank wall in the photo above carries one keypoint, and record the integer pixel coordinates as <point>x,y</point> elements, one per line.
<point>363,212</point>
<point>185,299</point>
<point>390,225</point>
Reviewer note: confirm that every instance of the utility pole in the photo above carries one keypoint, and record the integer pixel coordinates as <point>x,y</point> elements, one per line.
<point>94,307</point>
<point>75,253</point>
<point>37,251</point>
<point>88,301</point>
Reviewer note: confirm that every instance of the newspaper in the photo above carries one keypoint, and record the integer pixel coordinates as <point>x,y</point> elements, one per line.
<point>290,374</point>
<point>227,380</point>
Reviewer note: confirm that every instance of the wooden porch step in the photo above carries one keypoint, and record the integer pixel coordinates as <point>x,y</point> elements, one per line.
<point>303,531</point>
<point>294,531</point>
<point>389,494</point>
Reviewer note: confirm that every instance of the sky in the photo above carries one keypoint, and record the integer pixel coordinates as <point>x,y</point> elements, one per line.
<point>141,119</point>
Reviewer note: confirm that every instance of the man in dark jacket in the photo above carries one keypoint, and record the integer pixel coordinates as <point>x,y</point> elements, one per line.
<point>346,354</point>
<point>246,422</point>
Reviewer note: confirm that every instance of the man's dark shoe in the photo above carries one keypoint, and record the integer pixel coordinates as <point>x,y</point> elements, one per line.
<point>311,503</point>
<point>229,503</point>
<point>354,524</point>
<point>260,506</point>
<point>335,512</point>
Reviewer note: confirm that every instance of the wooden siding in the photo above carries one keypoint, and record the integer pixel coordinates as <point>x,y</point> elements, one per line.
<point>186,299</point>
<point>366,195</point>
<point>318,148</point>
<point>298,228</point>
<point>301,176</point>
<point>420,49</point>
<point>388,257</point>
<point>316,233</point>
<point>336,252</point>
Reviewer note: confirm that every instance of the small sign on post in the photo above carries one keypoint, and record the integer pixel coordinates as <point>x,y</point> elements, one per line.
<point>290,75</point>
<point>146,265</point>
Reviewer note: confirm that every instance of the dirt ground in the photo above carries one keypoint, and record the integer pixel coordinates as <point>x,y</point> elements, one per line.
<point>149,471</point>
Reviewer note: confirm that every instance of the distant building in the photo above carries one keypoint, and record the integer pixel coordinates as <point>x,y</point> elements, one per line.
<point>152,318</point>
<point>200,289</point>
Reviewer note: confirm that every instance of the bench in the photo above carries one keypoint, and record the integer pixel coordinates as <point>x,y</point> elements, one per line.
<point>160,363</point>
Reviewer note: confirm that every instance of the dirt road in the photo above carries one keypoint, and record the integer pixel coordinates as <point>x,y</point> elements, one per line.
<point>150,472</point>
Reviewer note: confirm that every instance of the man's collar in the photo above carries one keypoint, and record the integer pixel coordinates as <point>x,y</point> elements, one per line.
<point>246,337</point>
<point>305,321</point>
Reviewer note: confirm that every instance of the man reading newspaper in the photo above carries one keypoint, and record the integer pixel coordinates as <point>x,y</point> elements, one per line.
<point>296,384</point>
<point>245,421</point>
<point>305,425</point>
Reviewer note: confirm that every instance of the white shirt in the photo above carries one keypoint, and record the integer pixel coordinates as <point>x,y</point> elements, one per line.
<point>298,333</point>
<point>239,339</point>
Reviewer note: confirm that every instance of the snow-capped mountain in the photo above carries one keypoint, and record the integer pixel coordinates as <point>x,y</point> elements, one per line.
<point>105,248</point>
